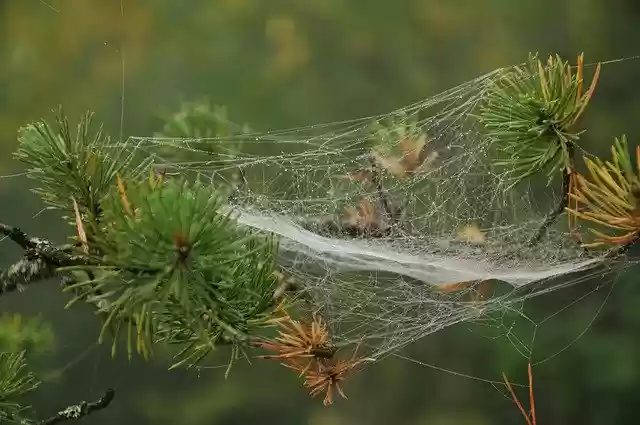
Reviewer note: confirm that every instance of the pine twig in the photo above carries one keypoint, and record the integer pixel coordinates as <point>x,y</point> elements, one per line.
<point>23,272</point>
<point>567,176</point>
<point>43,248</point>
<point>79,411</point>
<point>40,260</point>
<point>529,417</point>
<point>615,253</point>
<point>390,211</point>
<point>18,236</point>
<point>557,212</point>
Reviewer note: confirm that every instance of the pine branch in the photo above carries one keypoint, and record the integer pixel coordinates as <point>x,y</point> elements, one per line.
<point>557,212</point>
<point>383,197</point>
<point>79,411</point>
<point>43,248</point>
<point>24,272</point>
<point>624,249</point>
<point>19,237</point>
<point>40,260</point>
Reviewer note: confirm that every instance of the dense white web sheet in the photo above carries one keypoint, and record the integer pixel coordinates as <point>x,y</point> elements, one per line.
<point>432,268</point>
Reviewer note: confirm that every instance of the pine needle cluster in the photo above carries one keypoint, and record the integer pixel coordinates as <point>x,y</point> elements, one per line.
<point>162,258</point>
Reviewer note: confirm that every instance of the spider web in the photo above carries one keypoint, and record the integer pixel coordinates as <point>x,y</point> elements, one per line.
<point>387,239</point>
<point>386,250</point>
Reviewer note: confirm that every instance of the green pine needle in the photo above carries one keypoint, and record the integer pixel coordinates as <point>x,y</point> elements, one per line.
<point>206,127</point>
<point>531,113</point>
<point>402,125</point>
<point>81,165</point>
<point>177,267</point>
<point>15,381</point>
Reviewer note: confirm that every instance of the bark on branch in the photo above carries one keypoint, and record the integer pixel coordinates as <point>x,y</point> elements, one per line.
<point>79,411</point>
<point>40,260</point>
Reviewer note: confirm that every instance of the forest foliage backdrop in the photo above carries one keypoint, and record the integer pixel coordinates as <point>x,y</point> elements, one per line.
<point>287,63</point>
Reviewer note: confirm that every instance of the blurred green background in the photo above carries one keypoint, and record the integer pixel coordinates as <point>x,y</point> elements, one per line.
<point>284,63</point>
